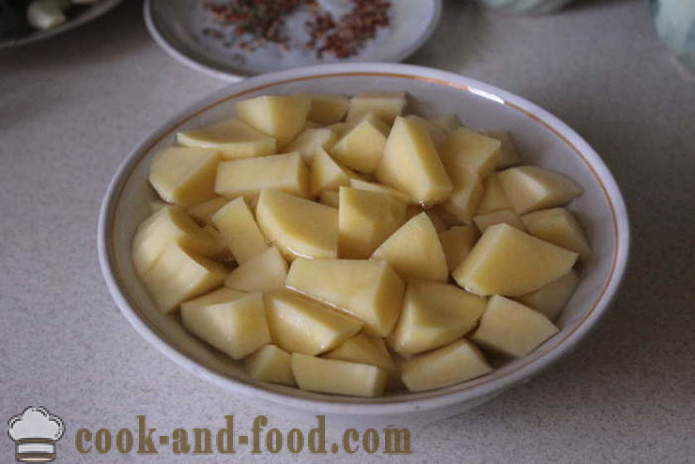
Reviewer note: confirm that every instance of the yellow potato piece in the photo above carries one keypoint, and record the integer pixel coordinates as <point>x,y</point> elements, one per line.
<point>370,290</point>
<point>362,145</point>
<point>282,117</point>
<point>270,364</point>
<point>434,315</point>
<point>236,327</point>
<point>264,272</point>
<point>454,363</point>
<point>530,188</point>
<point>552,298</point>
<point>411,164</point>
<point>326,174</point>
<point>465,198</point>
<point>362,184</point>
<point>156,205</point>
<point>447,122</point>
<point>508,154</point>
<point>239,230</point>
<point>298,227</point>
<point>221,295</point>
<point>502,216</point>
<point>338,377</point>
<point>232,138</point>
<point>385,105</point>
<point>365,220</point>
<point>558,226</point>
<point>457,242</point>
<point>512,328</point>
<point>510,262</point>
<point>466,149</point>
<point>493,198</point>
<point>311,141</point>
<point>329,198</point>
<point>203,212</point>
<point>364,349</point>
<point>302,325</point>
<point>438,135</point>
<point>414,251</point>
<point>184,176</point>
<point>248,176</point>
<point>327,109</point>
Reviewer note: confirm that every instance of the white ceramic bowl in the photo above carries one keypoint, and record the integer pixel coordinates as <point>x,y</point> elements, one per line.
<point>543,140</point>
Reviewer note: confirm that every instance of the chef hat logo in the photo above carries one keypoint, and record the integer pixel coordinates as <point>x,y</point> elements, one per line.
<point>35,433</point>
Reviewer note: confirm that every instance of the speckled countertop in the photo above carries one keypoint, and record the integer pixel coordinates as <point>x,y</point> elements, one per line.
<point>71,109</point>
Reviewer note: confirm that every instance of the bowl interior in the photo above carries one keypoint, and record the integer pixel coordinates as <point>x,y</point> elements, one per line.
<point>539,141</point>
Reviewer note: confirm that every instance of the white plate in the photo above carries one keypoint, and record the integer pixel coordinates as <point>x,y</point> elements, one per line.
<point>177,26</point>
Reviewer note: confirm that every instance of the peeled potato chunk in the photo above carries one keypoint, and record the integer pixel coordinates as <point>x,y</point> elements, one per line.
<point>298,227</point>
<point>454,363</point>
<point>512,328</point>
<point>362,146</point>
<point>302,325</point>
<point>327,109</point>
<point>502,216</point>
<point>232,138</point>
<point>203,212</point>
<point>361,184</point>
<point>364,349</point>
<point>156,205</point>
<point>270,364</point>
<point>493,197</point>
<point>326,174</point>
<point>411,164</point>
<point>385,105</point>
<point>469,150</point>
<point>170,225</point>
<point>530,188</point>
<point>437,134</point>
<point>312,140</point>
<point>236,327</point>
<point>558,226</point>
<point>457,242</point>
<point>248,176</point>
<point>508,154</point>
<point>448,122</point>
<point>370,290</point>
<point>365,220</point>
<point>466,196</point>
<point>184,176</point>
<point>329,198</point>
<point>221,295</point>
<point>414,251</point>
<point>239,230</point>
<point>282,117</point>
<point>434,315</point>
<point>339,377</point>
<point>507,261</point>
<point>264,272</point>
<point>552,298</point>
<point>178,275</point>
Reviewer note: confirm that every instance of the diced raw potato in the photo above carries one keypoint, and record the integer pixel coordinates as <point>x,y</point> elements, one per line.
<point>411,164</point>
<point>298,227</point>
<point>339,377</point>
<point>434,315</point>
<point>224,254</point>
<point>184,176</point>
<point>221,295</point>
<point>340,128</point>
<point>156,205</point>
<point>270,364</point>
<point>364,349</point>
<point>507,261</point>
<point>379,188</point>
<point>329,198</point>
<point>326,174</point>
<point>437,134</point>
<point>493,198</point>
<point>530,188</point>
<point>454,363</point>
<point>558,226</point>
<point>512,328</point>
<point>552,298</point>
<point>170,225</point>
<point>414,251</point>
<point>236,327</point>
<point>502,216</point>
<point>203,212</point>
<point>311,141</point>
<point>508,154</point>
<point>386,105</point>
<point>457,242</point>
<point>448,122</point>
<point>466,149</point>
<point>282,117</point>
<point>464,200</point>
<point>239,230</point>
<point>327,109</point>
<point>264,272</point>
<point>365,220</point>
<point>370,290</point>
<point>362,145</point>
<point>178,275</point>
<point>233,138</point>
<point>302,325</point>
<point>437,221</point>
<point>449,219</point>
<point>248,176</point>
